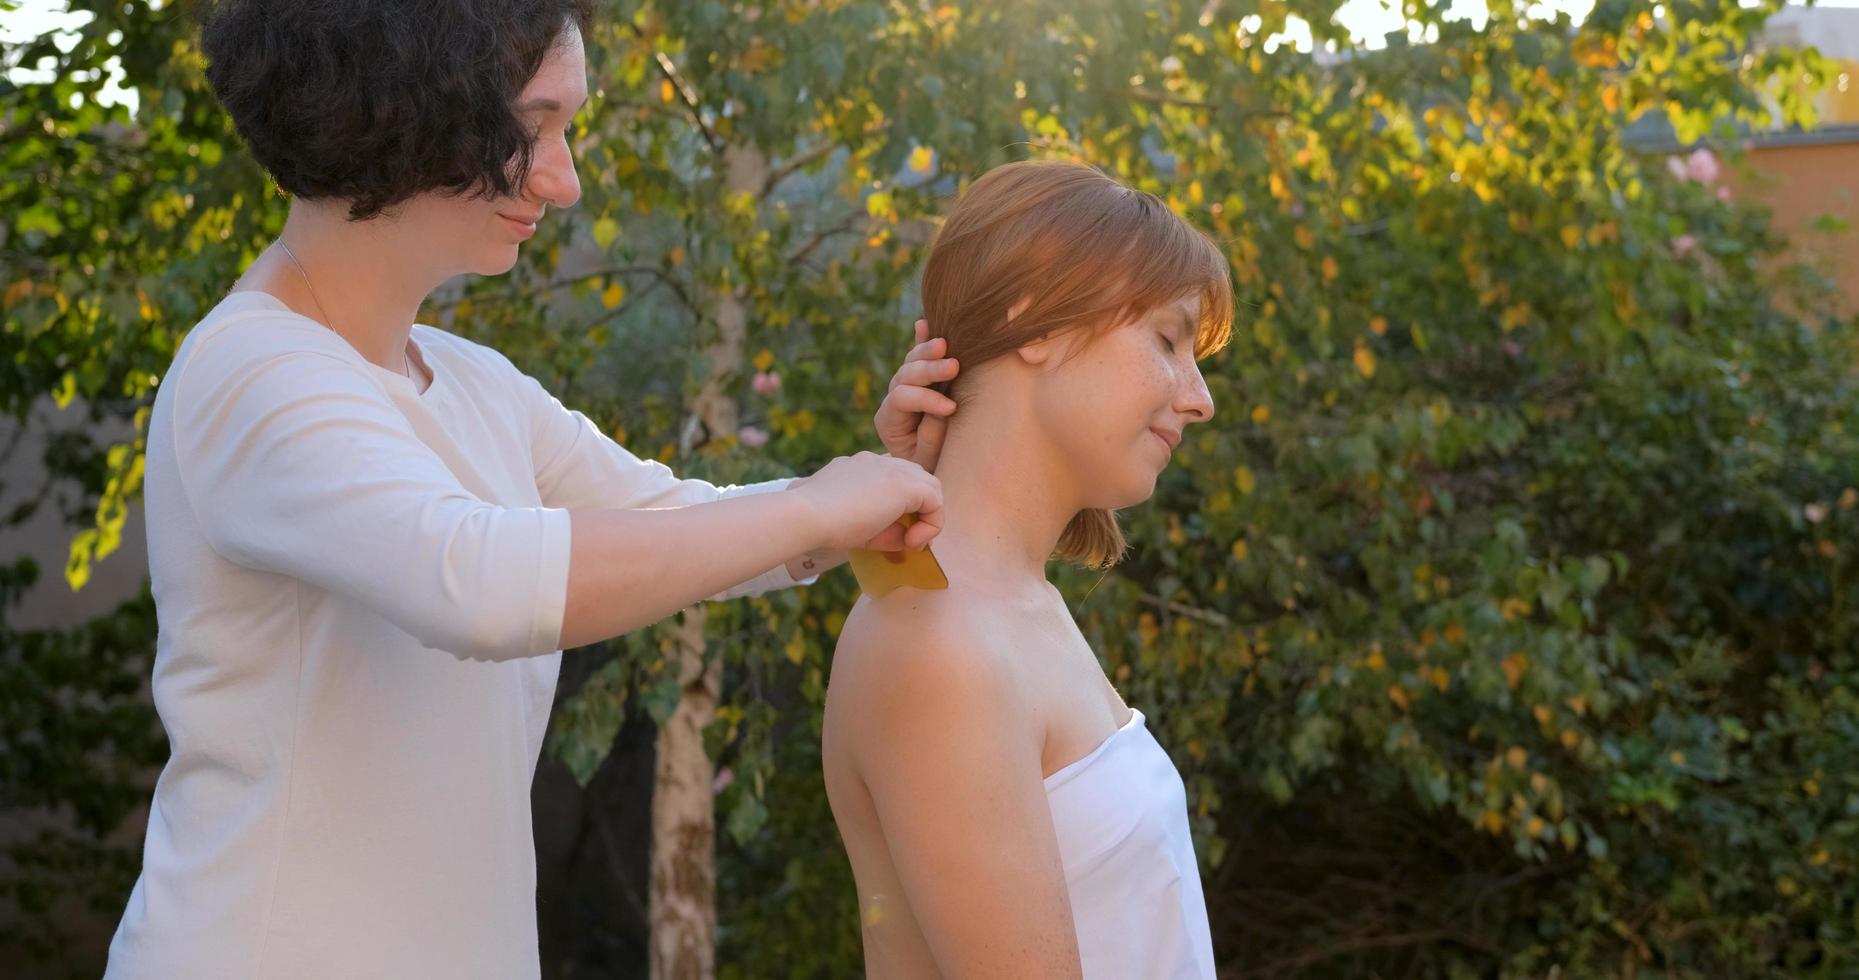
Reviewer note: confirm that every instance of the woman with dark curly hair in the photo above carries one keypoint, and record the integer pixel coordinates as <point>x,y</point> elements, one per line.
<point>369,539</point>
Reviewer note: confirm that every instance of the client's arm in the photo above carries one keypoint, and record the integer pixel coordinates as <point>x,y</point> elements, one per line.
<point>951,759</point>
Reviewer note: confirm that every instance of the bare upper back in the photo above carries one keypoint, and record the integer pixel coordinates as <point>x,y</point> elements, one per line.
<point>955,704</point>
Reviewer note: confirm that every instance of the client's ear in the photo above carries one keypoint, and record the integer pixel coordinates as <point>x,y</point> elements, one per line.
<point>1038,350</point>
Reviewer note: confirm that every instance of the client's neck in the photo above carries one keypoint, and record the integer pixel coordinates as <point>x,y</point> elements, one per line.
<point>1006,501</point>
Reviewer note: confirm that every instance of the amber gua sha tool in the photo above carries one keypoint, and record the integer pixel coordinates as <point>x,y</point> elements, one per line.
<point>880,572</point>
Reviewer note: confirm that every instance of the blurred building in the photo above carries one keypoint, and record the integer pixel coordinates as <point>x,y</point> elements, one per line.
<point>1812,179</point>
<point>1808,178</point>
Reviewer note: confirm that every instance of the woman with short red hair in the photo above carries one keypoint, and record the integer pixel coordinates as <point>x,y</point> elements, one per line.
<point>1005,813</point>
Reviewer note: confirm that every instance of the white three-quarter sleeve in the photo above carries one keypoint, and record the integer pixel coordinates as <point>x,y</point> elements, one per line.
<point>578,466</point>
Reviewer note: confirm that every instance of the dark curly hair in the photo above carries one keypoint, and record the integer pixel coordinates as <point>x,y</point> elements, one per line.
<point>375,101</point>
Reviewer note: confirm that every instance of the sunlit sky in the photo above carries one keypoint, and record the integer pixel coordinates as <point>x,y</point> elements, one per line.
<point>1368,22</point>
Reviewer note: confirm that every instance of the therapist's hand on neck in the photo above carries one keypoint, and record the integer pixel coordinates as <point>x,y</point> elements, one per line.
<point>911,422</point>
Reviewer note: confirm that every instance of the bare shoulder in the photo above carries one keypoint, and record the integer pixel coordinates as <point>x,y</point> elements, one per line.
<point>913,662</point>
<point>914,637</point>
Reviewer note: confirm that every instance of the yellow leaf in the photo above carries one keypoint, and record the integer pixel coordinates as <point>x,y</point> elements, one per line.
<point>1379,325</point>
<point>65,391</point>
<point>665,92</point>
<point>1517,757</point>
<point>1196,194</point>
<point>878,205</point>
<point>1261,414</point>
<point>1441,679</point>
<point>1399,697</point>
<point>1535,827</point>
<point>605,231</point>
<point>1147,629</point>
<point>1569,738</point>
<point>1365,360</point>
<point>764,360</point>
<point>1514,666</point>
<point>1306,239</point>
<point>1376,661</point>
<point>1541,712</point>
<point>921,158</point>
<point>611,296</point>
<point>1239,550</point>
<point>1276,185</point>
<point>1244,480</point>
<point>796,649</point>
<point>1329,269</point>
<point>1571,236</point>
<point>1493,822</point>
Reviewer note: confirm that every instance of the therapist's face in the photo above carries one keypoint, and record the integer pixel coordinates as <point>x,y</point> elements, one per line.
<point>483,236</point>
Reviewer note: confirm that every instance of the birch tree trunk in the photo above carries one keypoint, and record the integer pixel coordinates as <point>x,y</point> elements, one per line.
<point>683,889</point>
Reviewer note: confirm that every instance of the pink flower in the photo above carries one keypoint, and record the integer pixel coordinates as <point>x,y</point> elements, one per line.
<point>1723,193</point>
<point>1684,245</point>
<point>751,436</point>
<point>1702,166</point>
<point>1675,166</point>
<point>766,383</point>
<point>724,777</point>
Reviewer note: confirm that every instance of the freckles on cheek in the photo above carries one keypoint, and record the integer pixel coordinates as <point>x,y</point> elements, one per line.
<point>1159,372</point>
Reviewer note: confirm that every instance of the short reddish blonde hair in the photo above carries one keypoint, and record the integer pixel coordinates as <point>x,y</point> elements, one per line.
<point>1084,252</point>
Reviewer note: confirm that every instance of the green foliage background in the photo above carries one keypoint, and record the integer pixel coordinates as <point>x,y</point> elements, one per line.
<point>1504,622</point>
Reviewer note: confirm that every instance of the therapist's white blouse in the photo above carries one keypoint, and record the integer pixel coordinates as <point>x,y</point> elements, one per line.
<point>360,590</point>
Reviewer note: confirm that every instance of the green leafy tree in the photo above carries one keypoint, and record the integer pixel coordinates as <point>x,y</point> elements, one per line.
<point>1504,620</point>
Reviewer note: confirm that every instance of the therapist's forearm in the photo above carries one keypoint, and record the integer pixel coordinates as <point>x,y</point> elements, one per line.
<point>813,563</point>
<point>631,568</point>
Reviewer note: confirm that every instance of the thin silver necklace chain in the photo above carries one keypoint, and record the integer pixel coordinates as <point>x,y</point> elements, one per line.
<point>406,363</point>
